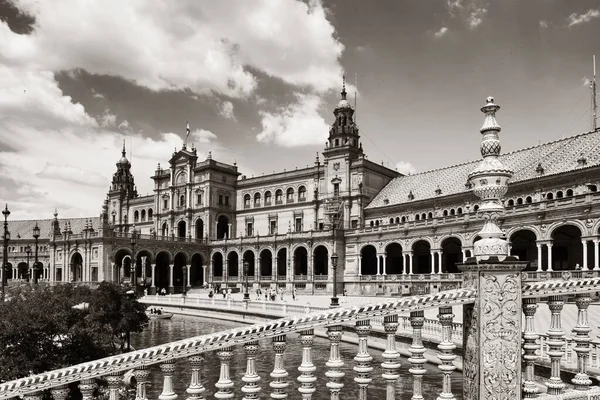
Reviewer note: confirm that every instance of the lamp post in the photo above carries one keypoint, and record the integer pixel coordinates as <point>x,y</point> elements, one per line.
<point>334,261</point>
<point>6,238</point>
<point>28,251</point>
<point>133,263</point>
<point>36,235</point>
<point>130,295</point>
<point>246,294</point>
<point>184,269</point>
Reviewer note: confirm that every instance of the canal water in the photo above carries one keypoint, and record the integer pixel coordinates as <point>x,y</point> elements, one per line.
<point>181,327</point>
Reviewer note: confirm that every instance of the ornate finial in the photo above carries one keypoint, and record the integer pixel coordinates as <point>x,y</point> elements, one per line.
<point>55,213</point>
<point>123,152</point>
<point>490,183</point>
<point>539,169</point>
<point>209,155</point>
<point>343,87</point>
<point>317,158</point>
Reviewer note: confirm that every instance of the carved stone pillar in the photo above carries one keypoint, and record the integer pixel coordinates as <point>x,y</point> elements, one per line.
<point>279,384</point>
<point>492,329</point>
<point>153,277</point>
<point>225,385</point>
<point>196,390</point>
<point>171,286</point>
<point>539,257</point>
<point>167,368</point>
<point>556,344</point>
<point>530,346</point>
<point>61,392</point>
<point>363,359</point>
<point>549,244</point>
<point>335,362</point>
<point>581,337</point>
<point>596,254</point>
<point>114,380</point>
<point>251,379</point>
<point>391,365</point>
<point>417,359</point>
<point>141,375</point>
<point>446,355</point>
<point>307,377</point>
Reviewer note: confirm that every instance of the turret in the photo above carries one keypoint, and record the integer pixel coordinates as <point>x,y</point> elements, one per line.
<point>123,179</point>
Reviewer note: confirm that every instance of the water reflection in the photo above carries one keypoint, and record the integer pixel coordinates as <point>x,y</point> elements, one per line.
<point>179,327</point>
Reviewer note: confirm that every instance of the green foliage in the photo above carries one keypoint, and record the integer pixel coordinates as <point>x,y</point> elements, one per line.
<point>41,331</point>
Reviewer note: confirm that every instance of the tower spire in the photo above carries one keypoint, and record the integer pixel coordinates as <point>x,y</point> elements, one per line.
<point>123,152</point>
<point>344,87</point>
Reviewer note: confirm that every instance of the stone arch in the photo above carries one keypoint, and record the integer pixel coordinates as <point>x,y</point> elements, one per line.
<point>282,262</point>
<point>567,247</point>
<point>122,259</point>
<point>222,226</point>
<point>301,261</point>
<point>368,260</point>
<point>579,224</point>
<point>136,216</point>
<point>257,199</point>
<point>164,230</point>
<point>394,263</point>
<point>523,245</point>
<point>250,258</point>
<point>197,270</point>
<point>179,278</point>
<point>162,269</point>
<point>182,229</point>
<point>412,242</point>
<point>321,260</point>
<point>199,229</point>
<point>233,262</point>
<point>143,272</point>
<point>534,229</point>
<point>217,264</point>
<point>451,254</point>
<point>22,271</point>
<point>143,215</point>
<point>266,262</point>
<point>421,257</point>
<point>75,267</point>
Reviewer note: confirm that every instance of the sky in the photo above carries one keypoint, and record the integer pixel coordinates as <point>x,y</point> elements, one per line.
<point>258,81</point>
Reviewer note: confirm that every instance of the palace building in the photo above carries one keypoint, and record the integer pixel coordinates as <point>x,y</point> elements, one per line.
<point>379,232</point>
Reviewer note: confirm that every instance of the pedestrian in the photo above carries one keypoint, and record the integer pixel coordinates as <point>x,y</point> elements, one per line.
<point>345,293</point>
<point>294,294</point>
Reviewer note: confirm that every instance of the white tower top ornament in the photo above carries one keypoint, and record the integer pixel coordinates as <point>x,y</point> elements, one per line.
<point>490,183</point>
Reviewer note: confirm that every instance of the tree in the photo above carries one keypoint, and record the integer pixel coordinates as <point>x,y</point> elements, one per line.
<point>41,331</point>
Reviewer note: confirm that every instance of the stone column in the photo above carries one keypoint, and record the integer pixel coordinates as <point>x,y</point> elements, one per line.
<point>584,264</point>
<point>378,263</point>
<point>492,330</point>
<point>596,255</point>
<point>171,287</point>
<point>432,253</point>
<point>143,274</point>
<point>229,231</point>
<point>384,263</point>
<point>539,257</point>
<point>153,275</point>
<point>204,274</point>
<point>549,244</point>
<point>439,257</point>
<point>410,263</point>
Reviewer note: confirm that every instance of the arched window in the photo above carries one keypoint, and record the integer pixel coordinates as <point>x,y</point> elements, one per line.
<point>430,215</point>
<point>301,193</point>
<point>569,192</point>
<point>403,219</point>
<point>528,200</point>
<point>519,201</point>
<point>256,199</point>
<point>475,207</point>
<point>445,213</point>
<point>289,195</point>
<point>511,203</point>
<point>559,194</point>
<point>136,216</point>
<point>278,196</point>
<point>267,198</point>
<point>371,224</point>
<point>247,201</point>
<point>549,196</point>
<point>397,220</point>
<point>143,215</point>
<point>459,211</point>
<point>452,212</point>
<point>423,216</point>
<point>391,221</point>
<point>377,223</point>
<point>182,200</point>
<point>149,214</point>
<point>417,217</point>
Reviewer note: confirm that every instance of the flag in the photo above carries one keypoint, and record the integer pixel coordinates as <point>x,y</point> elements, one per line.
<point>187,129</point>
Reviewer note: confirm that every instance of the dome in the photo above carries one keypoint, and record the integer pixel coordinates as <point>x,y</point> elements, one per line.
<point>123,161</point>
<point>343,104</point>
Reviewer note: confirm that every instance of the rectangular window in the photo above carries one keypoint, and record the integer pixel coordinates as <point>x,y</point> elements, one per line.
<point>220,199</point>
<point>226,200</point>
<point>354,223</point>
<point>298,224</point>
<point>273,227</point>
<point>165,204</point>
<point>249,229</point>
<point>199,199</point>
<point>321,226</point>
<point>336,189</point>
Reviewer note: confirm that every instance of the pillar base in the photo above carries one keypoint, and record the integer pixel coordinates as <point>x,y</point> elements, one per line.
<point>492,329</point>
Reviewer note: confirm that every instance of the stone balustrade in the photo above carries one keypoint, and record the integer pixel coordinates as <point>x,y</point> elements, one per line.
<point>392,316</point>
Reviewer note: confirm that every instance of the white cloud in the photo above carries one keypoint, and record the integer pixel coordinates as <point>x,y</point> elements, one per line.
<point>97,95</point>
<point>195,45</point>
<point>576,19</point>
<point>203,136</point>
<point>476,17</point>
<point>124,125</point>
<point>443,30</point>
<point>298,124</point>
<point>107,120</point>
<point>405,168</point>
<point>454,6</point>
<point>543,24</point>
<point>227,110</point>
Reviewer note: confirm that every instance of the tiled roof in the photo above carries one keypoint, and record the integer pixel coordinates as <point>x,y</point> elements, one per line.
<point>555,157</point>
<point>25,227</point>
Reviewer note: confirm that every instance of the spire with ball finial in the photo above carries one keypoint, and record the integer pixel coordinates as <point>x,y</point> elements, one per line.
<point>490,183</point>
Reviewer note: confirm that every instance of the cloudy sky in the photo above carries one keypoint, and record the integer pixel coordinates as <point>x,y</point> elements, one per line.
<point>258,80</point>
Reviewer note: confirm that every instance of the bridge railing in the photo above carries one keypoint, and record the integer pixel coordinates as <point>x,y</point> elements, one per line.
<point>112,368</point>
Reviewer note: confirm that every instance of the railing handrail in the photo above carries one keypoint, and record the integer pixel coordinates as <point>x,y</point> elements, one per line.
<point>558,287</point>
<point>200,344</point>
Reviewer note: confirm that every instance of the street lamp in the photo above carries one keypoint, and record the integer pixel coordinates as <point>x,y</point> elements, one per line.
<point>6,238</point>
<point>36,235</point>
<point>334,299</point>
<point>28,251</point>
<point>130,295</point>
<point>133,263</point>
<point>246,294</point>
<point>184,269</point>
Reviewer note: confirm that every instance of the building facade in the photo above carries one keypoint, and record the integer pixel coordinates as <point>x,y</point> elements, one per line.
<point>390,234</point>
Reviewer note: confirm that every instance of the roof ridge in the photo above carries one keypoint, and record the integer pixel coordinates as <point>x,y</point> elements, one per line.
<point>49,219</point>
